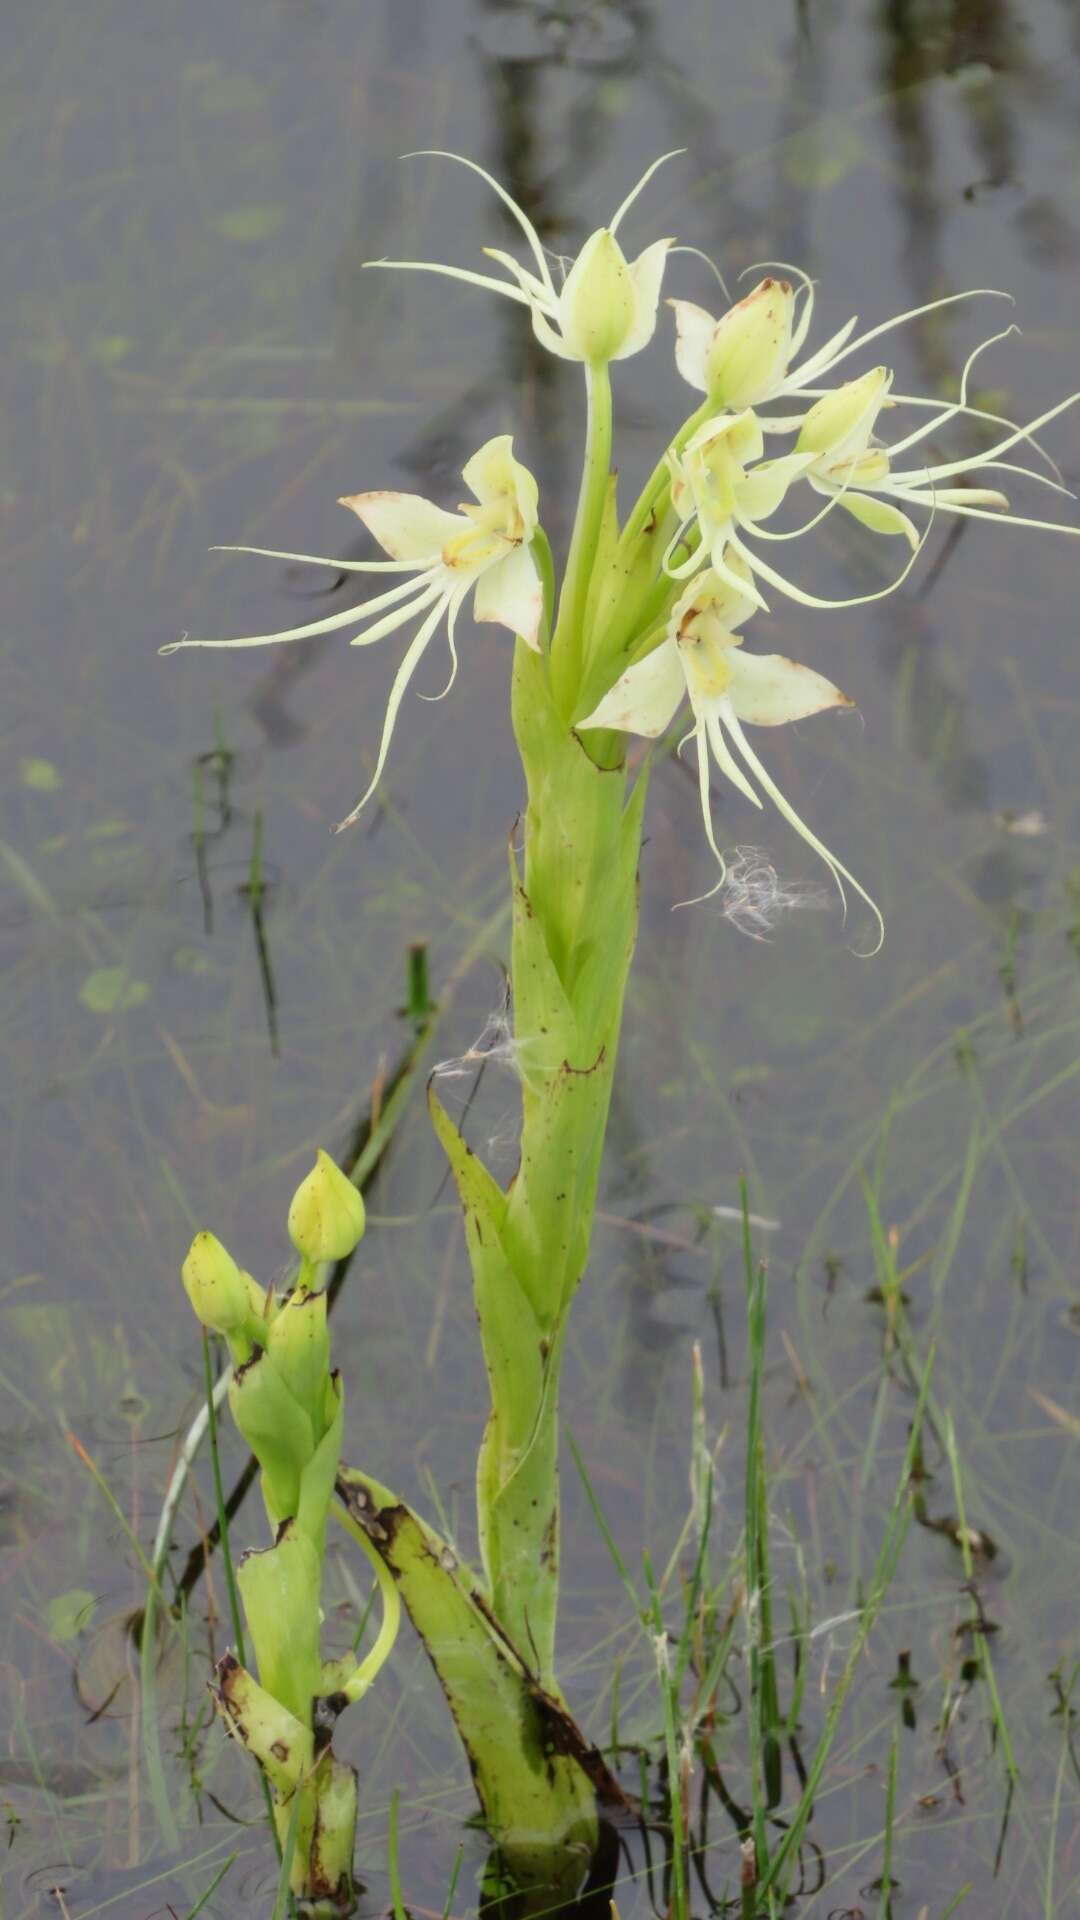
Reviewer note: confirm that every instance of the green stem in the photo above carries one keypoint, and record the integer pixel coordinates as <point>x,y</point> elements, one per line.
<point>660,477</point>
<point>567,645</point>
<point>358,1683</point>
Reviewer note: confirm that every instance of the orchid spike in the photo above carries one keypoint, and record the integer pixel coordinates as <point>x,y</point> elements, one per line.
<point>606,307</point>
<point>701,658</point>
<point>485,548</point>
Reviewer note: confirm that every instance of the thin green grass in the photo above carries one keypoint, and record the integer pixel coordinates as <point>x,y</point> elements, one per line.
<point>212,1888</point>
<point>979,1638</point>
<point>397,1903</point>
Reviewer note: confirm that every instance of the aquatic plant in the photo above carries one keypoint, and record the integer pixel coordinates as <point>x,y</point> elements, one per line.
<point>648,614</point>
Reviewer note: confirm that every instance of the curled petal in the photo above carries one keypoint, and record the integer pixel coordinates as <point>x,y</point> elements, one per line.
<point>471,279</point>
<point>451,641</point>
<point>805,599</point>
<point>493,474</point>
<point>647,273</point>
<point>512,593</point>
<point>762,490</point>
<point>517,213</point>
<point>406,526</point>
<point>413,657</point>
<point>400,617</point>
<point>768,690</point>
<point>323,560</point>
<point>646,697</point>
<point>709,736</point>
<point>531,287</point>
<point>626,204</point>
<point>550,337</point>
<point>880,516</point>
<point>726,762</point>
<point>841,344</point>
<point>348,617</point>
<point>694,329</point>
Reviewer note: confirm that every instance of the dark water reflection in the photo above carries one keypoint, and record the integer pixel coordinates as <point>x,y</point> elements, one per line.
<point>194,354</point>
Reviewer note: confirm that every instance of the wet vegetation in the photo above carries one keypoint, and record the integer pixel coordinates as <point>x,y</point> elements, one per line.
<point>860,1405</point>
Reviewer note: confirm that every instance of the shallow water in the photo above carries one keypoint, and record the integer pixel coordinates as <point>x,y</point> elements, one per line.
<point>193,354</point>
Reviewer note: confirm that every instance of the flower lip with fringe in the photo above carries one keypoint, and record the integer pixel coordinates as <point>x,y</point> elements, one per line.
<point>702,658</point>
<point>484,548</point>
<point>606,307</point>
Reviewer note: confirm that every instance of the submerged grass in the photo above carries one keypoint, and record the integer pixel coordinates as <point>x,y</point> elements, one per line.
<point>768,1873</point>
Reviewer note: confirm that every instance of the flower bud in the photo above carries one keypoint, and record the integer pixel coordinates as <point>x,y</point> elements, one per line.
<point>598,304</point>
<point>326,1218</point>
<point>218,1291</point>
<point>750,348</point>
<point>838,427</point>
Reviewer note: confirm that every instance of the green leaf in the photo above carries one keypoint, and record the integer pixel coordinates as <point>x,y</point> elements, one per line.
<point>317,1478</point>
<point>281,1744</point>
<point>280,1589</point>
<point>276,1429</point>
<point>68,1614</point>
<point>299,1346</point>
<point>533,1768</point>
<point>41,775</point>
<point>509,1327</point>
<point>249,224</point>
<point>112,990</point>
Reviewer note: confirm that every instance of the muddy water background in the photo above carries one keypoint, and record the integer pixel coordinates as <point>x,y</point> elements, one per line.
<point>192,353</point>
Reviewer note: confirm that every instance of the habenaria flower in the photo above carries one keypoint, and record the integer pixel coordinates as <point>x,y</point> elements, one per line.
<point>702,658</point>
<point>606,306</point>
<point>744,358</point>
<point>484,548</point>
<point>721,483</point>
<point>723,489</point>
<point>856,472</point>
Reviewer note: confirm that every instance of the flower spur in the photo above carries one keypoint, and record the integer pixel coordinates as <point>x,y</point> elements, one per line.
<point>484,548</point>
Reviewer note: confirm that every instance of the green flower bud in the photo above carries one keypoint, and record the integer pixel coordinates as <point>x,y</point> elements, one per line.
<point>748,353</point>
<point>326,1218</point>
<point>598,304</point>
<point>839,425</point>
<point>218,1291</point>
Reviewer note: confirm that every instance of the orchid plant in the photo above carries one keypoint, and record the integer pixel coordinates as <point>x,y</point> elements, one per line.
<point>289,1405</point>
<point>648,615</point>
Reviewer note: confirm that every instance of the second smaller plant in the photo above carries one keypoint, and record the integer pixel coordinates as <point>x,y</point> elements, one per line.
<point>289,1406</point>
